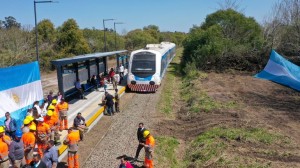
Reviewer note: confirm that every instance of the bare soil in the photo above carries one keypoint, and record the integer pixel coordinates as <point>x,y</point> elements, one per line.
<point>262,104</point>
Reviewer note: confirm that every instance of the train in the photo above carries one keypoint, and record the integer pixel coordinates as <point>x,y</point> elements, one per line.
<point>148,66</point>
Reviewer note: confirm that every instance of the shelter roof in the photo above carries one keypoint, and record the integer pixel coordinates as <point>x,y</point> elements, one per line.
<point>80,58</point>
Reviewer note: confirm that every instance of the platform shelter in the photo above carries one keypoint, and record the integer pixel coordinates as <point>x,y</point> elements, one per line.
<point>83,67</point>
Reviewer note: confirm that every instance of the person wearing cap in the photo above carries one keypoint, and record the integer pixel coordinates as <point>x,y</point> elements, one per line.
<point>4,159</point>
<point>31,119</point>
<point>10,125</point>
<point>63,108</point>
<point>53,106</point>
<point>50,157</point>
<point>16,151</point>
<point>52,121</point>
<point>4,138</point>
<point>43,133</point>
<point>28,139</point>
<point>72,141</point>
<point>25,127</point>
<point>149,148</point>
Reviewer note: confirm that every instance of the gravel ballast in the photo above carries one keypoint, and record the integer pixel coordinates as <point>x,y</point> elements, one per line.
<point>121,137</point>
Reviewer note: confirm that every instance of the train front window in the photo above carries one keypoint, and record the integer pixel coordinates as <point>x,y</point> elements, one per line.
<point>143,64</point>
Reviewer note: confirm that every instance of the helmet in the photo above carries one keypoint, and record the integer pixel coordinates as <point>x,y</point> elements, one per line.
<point>146,133</point>
<point>54,101</point>
<point>2,129</point>
<point>30,118</point>
<point>32,127</point>
<point>19,133</point>
<point>51,107</point>
<point>49,113</point>
<point>26,121</point>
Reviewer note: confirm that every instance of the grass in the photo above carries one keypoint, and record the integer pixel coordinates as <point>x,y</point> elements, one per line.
<point>209,147</point>
<point>170,88</point>
<point>166,152</point>
<point>198,100</point>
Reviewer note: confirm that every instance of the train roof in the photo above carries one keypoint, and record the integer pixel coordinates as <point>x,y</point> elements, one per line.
<point>161,48</point>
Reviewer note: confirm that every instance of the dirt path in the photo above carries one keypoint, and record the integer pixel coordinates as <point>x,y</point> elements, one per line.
<point>121,136</point>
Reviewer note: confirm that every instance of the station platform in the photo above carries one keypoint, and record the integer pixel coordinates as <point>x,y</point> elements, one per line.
<point>90,110</point>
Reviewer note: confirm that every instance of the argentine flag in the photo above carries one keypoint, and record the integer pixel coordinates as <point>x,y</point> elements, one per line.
<point>281,71</point>
<point>20,86</point>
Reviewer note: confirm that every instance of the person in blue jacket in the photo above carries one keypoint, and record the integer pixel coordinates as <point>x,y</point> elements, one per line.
<point>10,126</point>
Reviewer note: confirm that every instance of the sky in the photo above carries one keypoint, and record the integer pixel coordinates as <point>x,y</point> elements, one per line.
<point>168,15</point>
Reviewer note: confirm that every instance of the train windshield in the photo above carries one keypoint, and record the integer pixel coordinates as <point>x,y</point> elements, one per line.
<point>143,64</point>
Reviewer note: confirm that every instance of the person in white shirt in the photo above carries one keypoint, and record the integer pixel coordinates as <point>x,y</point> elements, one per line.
<point>37,106</point>
<point>116,80</point>
<point>121,71</point>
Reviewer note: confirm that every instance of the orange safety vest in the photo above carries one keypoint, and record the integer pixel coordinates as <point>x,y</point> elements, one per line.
<point>73,139</point>
<point>43,128</point>
<point>150,142</point>
<point>51,121</point>
<point>28,139</point>
<point>6,138</point>
<point>64,106</point>
<point>3,151</point>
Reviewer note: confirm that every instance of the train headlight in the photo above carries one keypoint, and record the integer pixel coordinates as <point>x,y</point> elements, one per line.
<point>152,83</point>
<point>133,82</point>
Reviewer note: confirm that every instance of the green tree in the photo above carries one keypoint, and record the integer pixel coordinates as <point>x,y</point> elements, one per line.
<point>138,38</point>
<point>46,31</point>
<point>16,46</point>
<point>227,39</point>
<point>153,30</point>
<point>70,39</point>
<point>9,22</point>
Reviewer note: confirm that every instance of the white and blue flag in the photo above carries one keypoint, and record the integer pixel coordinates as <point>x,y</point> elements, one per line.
<point>281,71</point>
<point>20,86</point>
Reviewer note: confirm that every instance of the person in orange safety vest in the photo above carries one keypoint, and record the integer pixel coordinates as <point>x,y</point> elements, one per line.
<point>63,108</point>
<point>72,142</point>
<point>43,133</point>
<point>29,140</point>
<point>4,160</point>
<point>53,121</point>
<point>149,148</point>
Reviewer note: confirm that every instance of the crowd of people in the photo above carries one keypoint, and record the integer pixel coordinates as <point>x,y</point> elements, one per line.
<point>98,81</point>
<point>34,143</point>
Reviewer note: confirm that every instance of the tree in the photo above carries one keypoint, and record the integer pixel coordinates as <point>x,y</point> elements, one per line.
<point>153,30</point>
<point>10,22</point>
<point>227,39</point>
<point>282,28</point>
<point>138,38</point>
<point>46,31</point>
<point>70,40</point>
<point>16,46</point>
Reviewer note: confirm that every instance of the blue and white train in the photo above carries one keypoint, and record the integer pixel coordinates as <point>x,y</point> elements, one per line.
<point>148,66</point>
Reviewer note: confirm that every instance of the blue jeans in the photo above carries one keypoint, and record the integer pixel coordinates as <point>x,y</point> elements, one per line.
<point>110,110</point>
